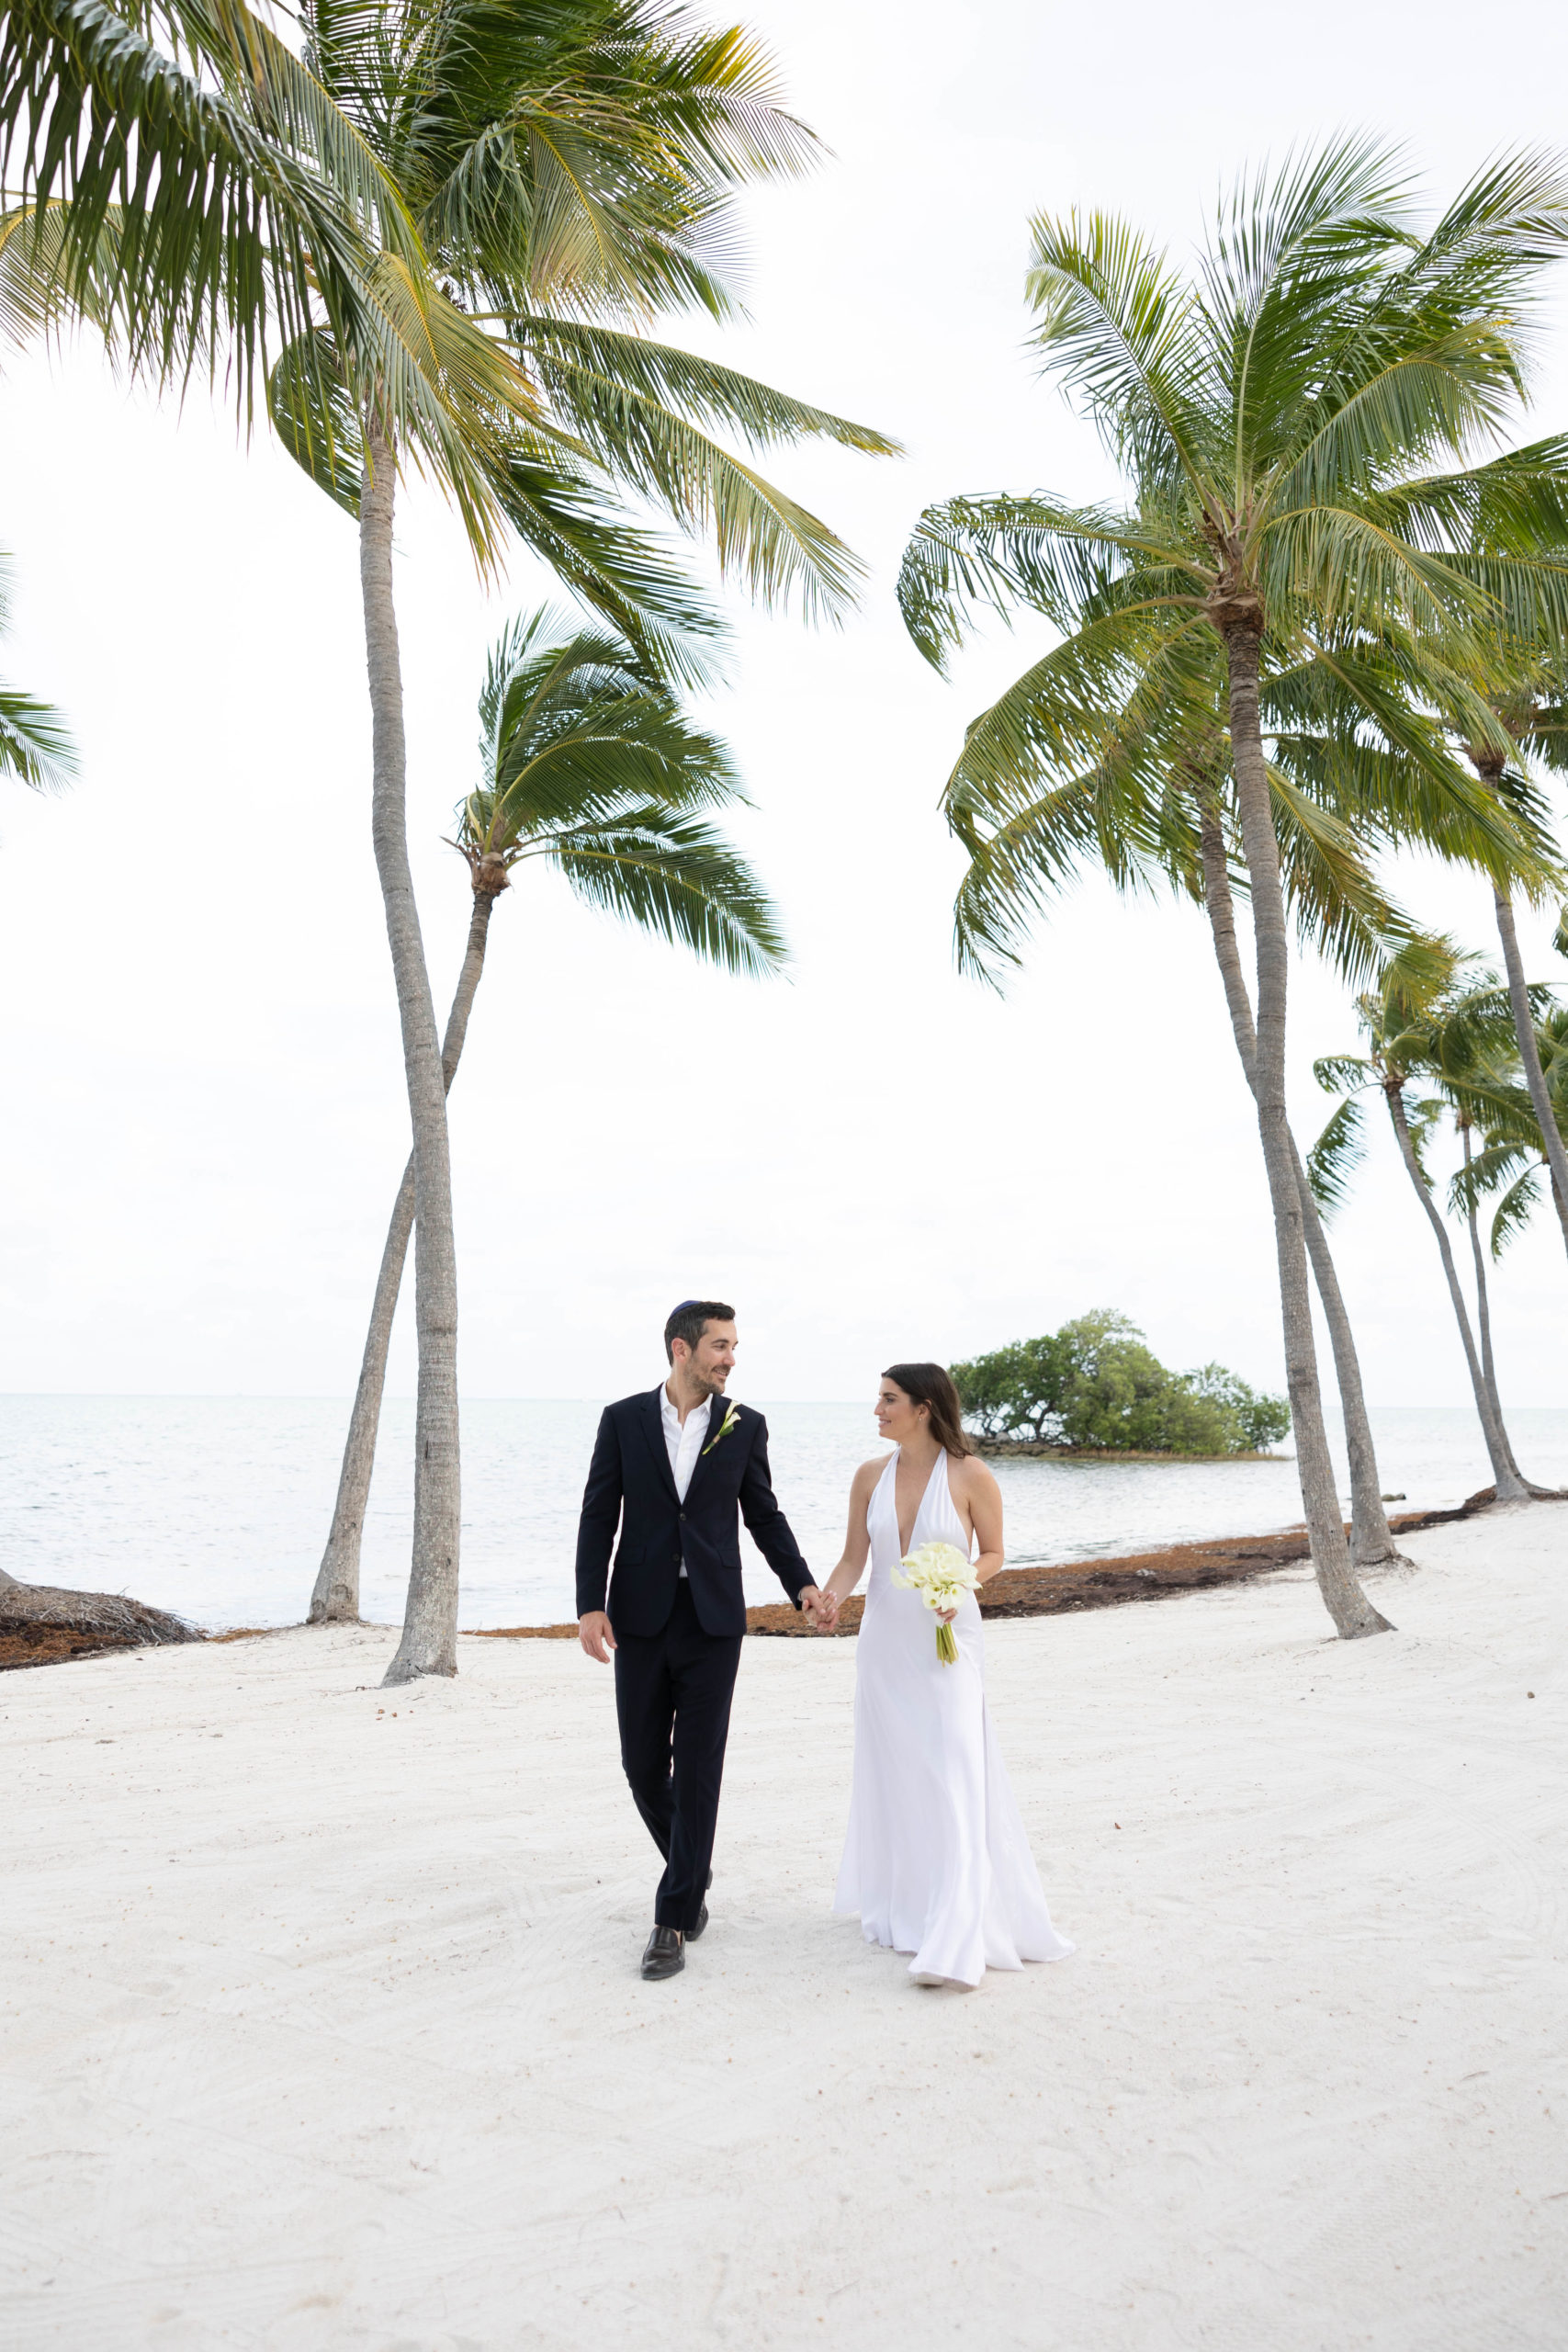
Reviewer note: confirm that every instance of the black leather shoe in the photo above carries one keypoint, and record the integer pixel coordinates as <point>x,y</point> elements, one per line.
<point>665,1955</point>
<point>694,1931</point>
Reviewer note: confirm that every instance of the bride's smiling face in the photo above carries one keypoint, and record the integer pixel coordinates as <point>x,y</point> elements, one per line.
<point>898,1416</point>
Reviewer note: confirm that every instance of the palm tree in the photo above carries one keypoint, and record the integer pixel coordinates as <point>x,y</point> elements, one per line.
<point>1155,804</point>
<point>1279,416</point>
<point>460,200</point>
<point>588,169</point>
<point>1418,1023</point>
<point>190,212</point>
<point>1532,720</point>
<point>1371,1538</point>
<point>1154,807</point>
<point>1513,1158</point>
<point>1490,1099</point>
<point>589,765</point>
<point>1475,1066</point>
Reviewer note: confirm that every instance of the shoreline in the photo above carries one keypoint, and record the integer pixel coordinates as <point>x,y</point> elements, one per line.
<point>1048,1590</point>
<point>1040,1449</point>
<point>1053,1589</point>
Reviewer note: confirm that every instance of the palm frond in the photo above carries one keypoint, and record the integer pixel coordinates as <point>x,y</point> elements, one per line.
<point>1338,1152</point>
<point>584,363</point>
<point>1116,324</point>
<point>218,232</point>
<point>576,527</point>
<point>998,553</point>
<point>677,877</point>
<point>759,535</point>
<point>1514,1210</point>
<point>601,179</point>
<point>35,745</point>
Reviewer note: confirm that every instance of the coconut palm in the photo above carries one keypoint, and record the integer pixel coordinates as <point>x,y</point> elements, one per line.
<point>1154,805</point>
<point>120,118</point>
<point>570,169</point>
<point>1473,1064</point>
<point>190,212</point>
<point>1476,1068</point>
<point>499,187</point>
<point>1297,420</point>
<point>1421,1020</point>
<point>1155,809</point>
<point>588,765</point>
<point>1492,1102</point>
<point>1512,1157</point>
<point>1533,724</point>
<point>1371,1538</point>
<point>1386,793</point>
<point>557,163</point>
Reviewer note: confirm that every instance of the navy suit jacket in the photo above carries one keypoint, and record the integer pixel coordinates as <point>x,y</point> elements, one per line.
<point>630,1481</point>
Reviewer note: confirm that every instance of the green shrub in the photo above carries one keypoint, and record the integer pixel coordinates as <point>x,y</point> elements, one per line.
<point>1096,1383</point>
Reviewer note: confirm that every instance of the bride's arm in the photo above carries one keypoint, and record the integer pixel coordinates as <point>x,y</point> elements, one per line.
<point>857,1540</point>
<point>983,1499</point>
<point>978,1493</point>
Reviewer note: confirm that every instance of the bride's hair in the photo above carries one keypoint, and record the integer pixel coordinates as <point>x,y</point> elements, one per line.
<point>932,1386</point>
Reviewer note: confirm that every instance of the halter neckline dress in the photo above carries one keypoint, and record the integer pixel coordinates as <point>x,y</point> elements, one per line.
<point>936,1861</point>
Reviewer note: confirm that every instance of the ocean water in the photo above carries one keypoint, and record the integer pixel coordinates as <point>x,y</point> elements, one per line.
<point>217,1507</point>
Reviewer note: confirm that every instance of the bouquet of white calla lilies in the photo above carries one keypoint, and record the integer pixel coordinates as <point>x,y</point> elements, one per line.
<point>941,1576</point>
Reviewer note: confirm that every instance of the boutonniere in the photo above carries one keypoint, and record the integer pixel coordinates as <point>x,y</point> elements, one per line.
<point>731,1420</point>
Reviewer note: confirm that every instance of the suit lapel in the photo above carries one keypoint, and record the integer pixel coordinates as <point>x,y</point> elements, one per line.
<point>653,1429</point>
<point>716,1412</point>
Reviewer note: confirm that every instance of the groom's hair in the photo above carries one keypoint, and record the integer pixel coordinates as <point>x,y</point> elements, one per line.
<point>690,1320</point>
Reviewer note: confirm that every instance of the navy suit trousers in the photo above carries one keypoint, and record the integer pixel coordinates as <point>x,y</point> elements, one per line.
<point>672,1695</point>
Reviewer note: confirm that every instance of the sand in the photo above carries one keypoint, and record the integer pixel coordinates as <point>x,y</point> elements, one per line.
<point>321,2026</point>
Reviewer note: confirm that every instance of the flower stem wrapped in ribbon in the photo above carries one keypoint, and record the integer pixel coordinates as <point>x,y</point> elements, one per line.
<point>941,1576</point>
<point>731,1420</point>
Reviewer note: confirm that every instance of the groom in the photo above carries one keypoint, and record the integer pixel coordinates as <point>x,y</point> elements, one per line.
<point>675,1464</point>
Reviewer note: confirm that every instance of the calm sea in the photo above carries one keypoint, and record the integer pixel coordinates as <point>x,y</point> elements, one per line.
<point>217,1507</point>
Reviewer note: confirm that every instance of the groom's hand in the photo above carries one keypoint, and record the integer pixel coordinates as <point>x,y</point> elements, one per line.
<point>594,1633</point>
<point>822,1607</point>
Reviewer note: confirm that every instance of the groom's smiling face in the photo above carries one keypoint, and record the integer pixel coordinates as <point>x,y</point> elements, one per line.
<point>711,1361</point>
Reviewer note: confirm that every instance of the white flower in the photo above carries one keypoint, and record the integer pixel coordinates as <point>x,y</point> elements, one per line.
<point>941,1576</point>
<point>731,1420</point>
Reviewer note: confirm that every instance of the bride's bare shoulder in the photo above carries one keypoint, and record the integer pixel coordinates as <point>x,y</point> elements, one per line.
<point>870,1472</point>
<point>968,1475</point>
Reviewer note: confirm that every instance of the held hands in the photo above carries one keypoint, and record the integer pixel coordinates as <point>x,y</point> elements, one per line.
<point>597,1637</point>
<point>821,1608</point>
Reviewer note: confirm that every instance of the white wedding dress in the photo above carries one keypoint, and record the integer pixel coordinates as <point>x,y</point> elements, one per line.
<point>936,1861</point>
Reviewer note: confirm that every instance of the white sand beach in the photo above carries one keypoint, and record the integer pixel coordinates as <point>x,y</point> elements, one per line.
<point>322,2025</point>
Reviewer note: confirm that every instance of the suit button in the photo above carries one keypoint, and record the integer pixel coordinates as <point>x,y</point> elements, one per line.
<point>682,1514</point>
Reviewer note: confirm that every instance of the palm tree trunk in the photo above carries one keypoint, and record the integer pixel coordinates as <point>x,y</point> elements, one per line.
<point>1529,1055</point>
<point>1353,1614</point>
<point>429,1645</point>
<point>336,1600</point>
<point>1483,1326</point>
<point>1511,1488</point>
<point>1371,1538</point>
<point>1482,1302</point>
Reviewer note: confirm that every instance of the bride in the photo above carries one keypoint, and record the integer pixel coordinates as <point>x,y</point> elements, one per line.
<point>936,1861</point>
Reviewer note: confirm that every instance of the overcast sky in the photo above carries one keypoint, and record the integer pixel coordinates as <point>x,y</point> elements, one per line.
<point>205,1117</point>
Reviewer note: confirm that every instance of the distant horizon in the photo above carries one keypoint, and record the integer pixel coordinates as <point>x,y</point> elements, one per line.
<point>407,1396</point>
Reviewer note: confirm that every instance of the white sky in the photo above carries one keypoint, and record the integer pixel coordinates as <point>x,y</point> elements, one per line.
<point>204,1108</point>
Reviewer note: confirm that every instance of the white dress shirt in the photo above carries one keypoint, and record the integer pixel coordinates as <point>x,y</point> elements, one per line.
<point>682,1440</point>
